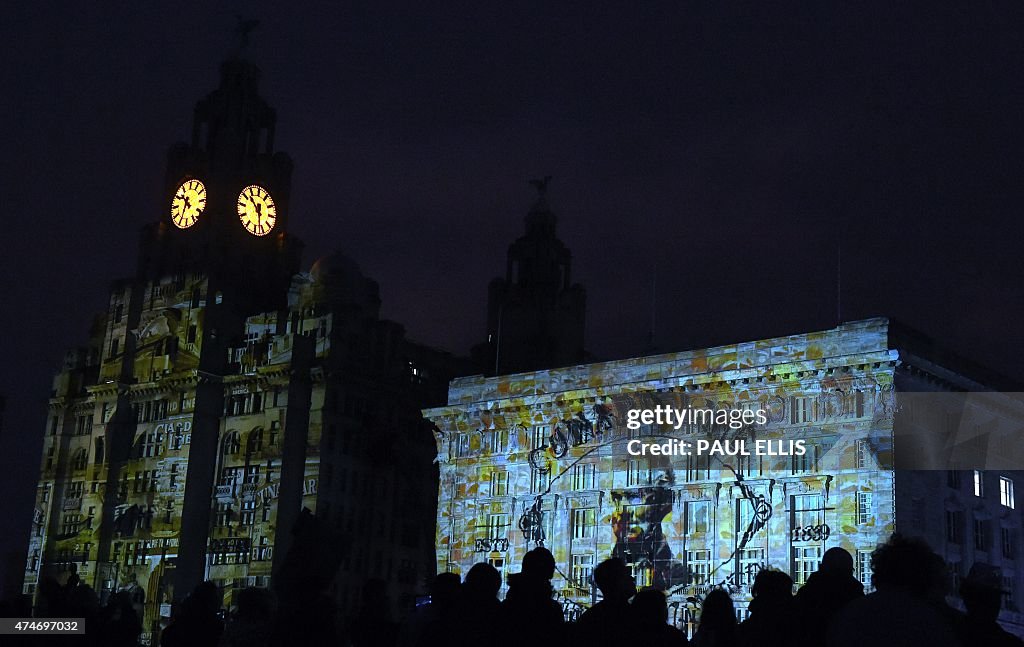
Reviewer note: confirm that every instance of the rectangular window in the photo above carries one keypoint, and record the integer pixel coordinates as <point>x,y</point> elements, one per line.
<point>954,526</point>
<point>540,436</point>
<point>499,483</point>
<point>638,473</point>
<point>698,468</point>
<point>1008,543</point>
<point>808,516</point>
<point>979,483</point>
<point>498,441</point>
<point>802,409</point>
<point>698,566</point>
<point>805,562</point>
<point>1006,492</point>
<point>953,479</point>
<point>698,517</point>
<point>584,521</point>
<point>807,462</point>
<point>981,534</point>
<point>583,476</point>
<point>748,562</point>
<point>864,568</point>
<point>461,446</point>
<point>539,481</point>
<point>865,509</point>
<point>582,570</point>
<point>864,454</point>
<point>497,526</point>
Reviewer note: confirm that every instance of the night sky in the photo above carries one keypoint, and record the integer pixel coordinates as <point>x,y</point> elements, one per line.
<point>728,149</point>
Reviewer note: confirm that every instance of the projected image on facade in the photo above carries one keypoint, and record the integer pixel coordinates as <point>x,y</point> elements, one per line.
<point>542,459</point>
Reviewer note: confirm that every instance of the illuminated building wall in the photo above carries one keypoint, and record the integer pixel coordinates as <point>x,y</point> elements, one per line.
<point>539,459</point>
<point>223,391</point>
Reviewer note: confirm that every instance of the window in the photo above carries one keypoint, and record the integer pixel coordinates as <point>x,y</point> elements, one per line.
<point>461,445</point>
<point>981,534</point>
<point>638,473</point>
<point>540,436</point>
<point>255,442</point>
<point>698,468</point>
<point>72,521</point>
<point>802,409</point>
<point>223,514</point>
<point>698,517</point>
<point>1006,492</point>
<point>252,474</point>
<point>497,441</point>
<point>151,444</point>
<point>748,562</point>
<point>805,562</point>
<point>583,476</point>
<point>807,462</point>
<point>539,481</point>
<point>979,483</point>
<point>584,520</point>
<point>582,570</point>
<point>953,479</point>
<point>1006,534</point>
<point>499,483</point>
<point>954,526</point>
<point>232,443</point>
<point>248,516</point>
<point>864,507</point>
<point>808,514</point>
<point>864,454</point>
<point>497,526</point>
<point>81,460</point>
<point>698,566</point>
<point>864,568</point>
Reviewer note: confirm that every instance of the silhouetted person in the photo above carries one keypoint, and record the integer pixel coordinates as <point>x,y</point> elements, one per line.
<point>119,625</point>
<point>717,626</point>
<point>373,624</point>
<point>771,620</point>
<point>608,621</point>
<point>826,592</point>
<point>529,596</point>
<point>253,620</point>
<point>898,612</point>
<point>480,608</point>
<point>198,622</point>
<point>434,623</point>
<point>982,593</point>
<point>649,611</point>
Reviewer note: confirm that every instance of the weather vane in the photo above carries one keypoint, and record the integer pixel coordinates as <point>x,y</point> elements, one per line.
<point>244,26</point>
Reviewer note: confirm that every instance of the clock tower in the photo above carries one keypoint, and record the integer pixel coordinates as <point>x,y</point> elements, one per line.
<point>226,199</point>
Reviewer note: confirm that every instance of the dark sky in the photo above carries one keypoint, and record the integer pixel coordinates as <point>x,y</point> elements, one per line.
<point>731,146</point>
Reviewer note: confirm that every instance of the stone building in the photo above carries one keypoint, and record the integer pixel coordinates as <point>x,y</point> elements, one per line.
<point>541,458</point>
<point>535,313</point>
<point>223,391</point>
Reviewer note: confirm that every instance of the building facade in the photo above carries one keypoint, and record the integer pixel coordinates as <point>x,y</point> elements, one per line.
<point>224,391</point>
<point>541,459</point>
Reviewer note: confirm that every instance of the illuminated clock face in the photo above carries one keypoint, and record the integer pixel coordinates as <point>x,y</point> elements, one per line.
<point>188,202</point>
<point>256,210</point>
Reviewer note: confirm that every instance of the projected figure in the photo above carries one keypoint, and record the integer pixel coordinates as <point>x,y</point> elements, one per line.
<point>639,540</point>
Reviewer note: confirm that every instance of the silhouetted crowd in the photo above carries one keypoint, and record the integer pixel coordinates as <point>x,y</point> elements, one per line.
<point>907,607</point>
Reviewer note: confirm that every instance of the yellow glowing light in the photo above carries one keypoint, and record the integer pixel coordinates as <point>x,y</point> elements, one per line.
<point>188,202</point>
<point>256,210</point>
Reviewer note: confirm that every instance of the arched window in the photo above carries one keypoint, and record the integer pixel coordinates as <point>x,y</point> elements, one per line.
<point>80,460</point>
<point>232,443</point>
<point>255,442</point>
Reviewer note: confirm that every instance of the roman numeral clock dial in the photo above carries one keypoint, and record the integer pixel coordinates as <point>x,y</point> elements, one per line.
<point>256,210</point>
<point>188,202</point>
